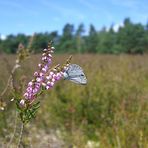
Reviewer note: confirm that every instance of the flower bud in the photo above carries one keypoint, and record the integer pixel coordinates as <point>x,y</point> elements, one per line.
<point>22,102</point>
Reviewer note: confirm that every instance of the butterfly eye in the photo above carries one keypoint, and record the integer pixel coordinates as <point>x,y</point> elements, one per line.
<point>82,74</point>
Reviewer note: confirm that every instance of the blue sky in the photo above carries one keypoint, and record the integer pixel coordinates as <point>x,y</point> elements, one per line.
<point>29,16</point>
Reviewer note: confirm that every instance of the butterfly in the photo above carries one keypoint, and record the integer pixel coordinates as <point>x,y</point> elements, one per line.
<point>75,74</point>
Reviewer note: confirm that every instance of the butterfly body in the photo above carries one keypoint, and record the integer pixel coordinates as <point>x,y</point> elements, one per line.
<point>75,74</point>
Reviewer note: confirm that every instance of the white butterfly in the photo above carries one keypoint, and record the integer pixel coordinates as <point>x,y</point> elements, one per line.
<point>75,74</point>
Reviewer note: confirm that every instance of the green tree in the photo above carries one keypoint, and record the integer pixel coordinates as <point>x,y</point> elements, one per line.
<point>41,40</point>
<point>92,40</point>
<point>107,41</point>
<point>10,44</point>
<point>131,37</point>
<point>79,39</point>
<point>146,38</point>
<point>66,43</point>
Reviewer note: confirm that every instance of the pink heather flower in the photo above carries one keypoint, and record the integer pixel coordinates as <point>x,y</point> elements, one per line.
<point>44,70</point>
<point>46,67</point>
<point>30,83</point>
<point>44,58</point>
<point>51,51</point>
<point>30,97</point>
<point>54,75</point>
<point>49,61</point>
<point>42,77</point>
<point>43,54</point>
<point>41,74</point>
<point>47,87</point>
<point>29,89</point>
<point>52,48</point>
<point>45,50</point>
<point>53,80</point>
<point>48,77</point>
<point>26,94</point>
<point>44,84</point>
<point>36,73</point>
<point>49,55</point>
<point>35,90</point>
<point>38,79</point>
<point>51,73</point>
<point>22,102</point>
<point>37,85</point>
<point>58,76</point>
<point>50,84</point>
<point>40,65</point>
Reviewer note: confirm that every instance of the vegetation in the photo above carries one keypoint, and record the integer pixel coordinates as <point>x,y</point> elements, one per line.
<point>110,111</point>
<point>130,38</point>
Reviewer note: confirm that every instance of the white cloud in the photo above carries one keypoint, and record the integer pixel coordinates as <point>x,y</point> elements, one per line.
<point>2,37</point>
<point>117,26</point>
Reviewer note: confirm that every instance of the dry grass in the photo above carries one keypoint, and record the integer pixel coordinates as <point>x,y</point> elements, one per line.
<point>112,109</point>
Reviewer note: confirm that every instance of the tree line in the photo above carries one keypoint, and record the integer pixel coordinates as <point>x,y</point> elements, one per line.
<point>131,38</point>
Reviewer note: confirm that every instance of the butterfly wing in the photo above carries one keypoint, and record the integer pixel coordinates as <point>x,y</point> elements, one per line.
<point>75,74</point>
<point>78,79</point>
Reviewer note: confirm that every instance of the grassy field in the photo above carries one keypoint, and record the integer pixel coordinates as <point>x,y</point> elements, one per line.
<point>111,111</point>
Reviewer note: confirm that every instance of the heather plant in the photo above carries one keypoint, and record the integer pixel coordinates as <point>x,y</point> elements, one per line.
<point>43,79</point>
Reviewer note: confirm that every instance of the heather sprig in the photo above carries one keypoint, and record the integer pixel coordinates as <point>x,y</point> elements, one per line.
<point>43,79</point>
<point>22,54</point>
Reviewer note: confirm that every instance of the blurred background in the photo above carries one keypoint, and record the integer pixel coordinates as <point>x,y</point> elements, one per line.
<point>109,40</point>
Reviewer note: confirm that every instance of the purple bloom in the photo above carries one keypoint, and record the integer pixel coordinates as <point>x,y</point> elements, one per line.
<point>48,87</point>
<point>51,73</point>
<point>48,77</point>
<point>52,48</point>
<point>44,58</point>
<point>58,76</point>
<point>50,84</point>
<point>45,50</point>
<point>36,73</point>
<point>41,74</point>
<point>30,83</point>
<point>22,102</point>
<point>29,89</point>
<point>35,90</point>
<point>40,65</point>
<point>38,79</point>
<point>42,77</point>
<point>49,61</point>
<point>49,55</point>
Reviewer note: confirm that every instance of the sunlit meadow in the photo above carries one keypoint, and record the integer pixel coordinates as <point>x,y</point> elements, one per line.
<point>110,111</point>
